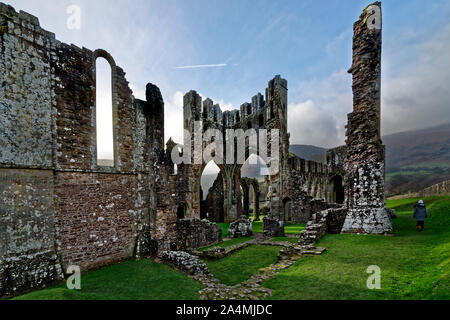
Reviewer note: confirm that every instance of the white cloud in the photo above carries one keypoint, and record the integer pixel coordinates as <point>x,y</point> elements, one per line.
<point>320,116</point>
<point>225,106</point>
<point>418,94</point>
<point>310,124</point>
<point>415,92</point>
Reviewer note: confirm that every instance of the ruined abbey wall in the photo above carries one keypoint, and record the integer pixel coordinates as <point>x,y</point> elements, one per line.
<point>58,206</point>
<point>299,188</point>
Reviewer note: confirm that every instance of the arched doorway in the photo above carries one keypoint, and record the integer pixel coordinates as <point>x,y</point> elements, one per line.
<point>212,193</point>
<point>181,212</point>
<point>256,174</point>
<point>338,193</point>
<point>287,205</point>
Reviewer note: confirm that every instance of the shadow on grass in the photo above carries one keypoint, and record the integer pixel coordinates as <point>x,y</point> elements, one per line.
<point>131,280</point>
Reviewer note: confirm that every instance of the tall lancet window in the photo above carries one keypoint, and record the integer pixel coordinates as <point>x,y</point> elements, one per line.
<point>104,114</point>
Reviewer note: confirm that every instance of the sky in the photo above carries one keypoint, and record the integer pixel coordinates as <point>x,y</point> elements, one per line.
<point>229,49</point>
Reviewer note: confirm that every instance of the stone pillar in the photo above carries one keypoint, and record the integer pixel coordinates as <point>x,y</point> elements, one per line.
<point>192,109</point>
<point>365,178</point>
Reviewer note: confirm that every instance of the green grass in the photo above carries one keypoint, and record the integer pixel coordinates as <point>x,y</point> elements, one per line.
<point>228,243</point>
<point>224,227</point>
<point>414,265</point>
<point>258,226</point>
<point>132,280</point>
<point>240,266</point>
<point>289,228</point>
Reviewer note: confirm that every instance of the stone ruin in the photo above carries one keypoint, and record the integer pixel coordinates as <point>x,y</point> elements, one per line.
<point>60,206</point>
<point>365,176</point>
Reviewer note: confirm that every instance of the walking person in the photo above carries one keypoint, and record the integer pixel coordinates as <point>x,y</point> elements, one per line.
<point>420,214</point>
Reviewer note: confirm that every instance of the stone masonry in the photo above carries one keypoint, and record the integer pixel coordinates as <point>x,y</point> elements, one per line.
<point>60,206</point>
<point>365,178</point>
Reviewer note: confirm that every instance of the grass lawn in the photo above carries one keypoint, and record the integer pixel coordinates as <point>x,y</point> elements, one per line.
<point>289,228</point>
<point>228,243</point>
<point>224,227</point>
<point>240,266</point>
<point>414,265</point>
<point>132,280</point>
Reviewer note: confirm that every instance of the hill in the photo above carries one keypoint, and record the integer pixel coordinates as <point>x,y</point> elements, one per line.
<point>417,159</point>
<point>308,152</point>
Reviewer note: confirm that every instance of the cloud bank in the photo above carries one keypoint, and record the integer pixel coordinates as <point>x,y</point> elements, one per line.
<point>415,92</point>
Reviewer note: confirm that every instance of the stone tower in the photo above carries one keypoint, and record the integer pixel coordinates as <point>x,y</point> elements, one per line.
<point>365,178</point>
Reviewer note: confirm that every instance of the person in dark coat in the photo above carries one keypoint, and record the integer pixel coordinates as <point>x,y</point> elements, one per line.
<point>420,214</point>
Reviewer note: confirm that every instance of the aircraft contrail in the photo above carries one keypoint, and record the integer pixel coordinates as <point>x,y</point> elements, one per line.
<point>203,66</point>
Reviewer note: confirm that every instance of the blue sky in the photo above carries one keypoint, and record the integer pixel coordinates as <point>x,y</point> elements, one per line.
<point>307,42</point>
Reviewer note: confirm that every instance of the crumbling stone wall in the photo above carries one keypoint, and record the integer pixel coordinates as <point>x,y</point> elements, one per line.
<point>260,114</point>
<point>298,182</point>
<point>306,185</point>
<point>58,206</point>
<point>28,257</point>
<point>321,223</point>
<point>196,233</point>
<point>365,178</point>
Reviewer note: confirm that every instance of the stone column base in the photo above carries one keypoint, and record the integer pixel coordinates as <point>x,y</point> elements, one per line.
<point>368,221</point>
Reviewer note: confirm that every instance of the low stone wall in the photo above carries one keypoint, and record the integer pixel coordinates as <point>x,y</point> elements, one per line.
<point>327,221</point>
<point>29,272</point>
<point>195,233</point>
<point>185,262</point>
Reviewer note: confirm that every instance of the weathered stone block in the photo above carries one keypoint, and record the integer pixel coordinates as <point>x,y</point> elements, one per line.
<point>185,262</point>
<point>273,227</point>
<point>243,227</point>
<point>195,233</point>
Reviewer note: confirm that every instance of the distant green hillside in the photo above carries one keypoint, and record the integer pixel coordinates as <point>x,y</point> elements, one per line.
<point>417,159</point>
